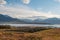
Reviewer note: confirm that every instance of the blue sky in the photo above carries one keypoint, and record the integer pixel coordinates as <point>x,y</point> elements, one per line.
<point>46,5</point>
<point>29,8</point>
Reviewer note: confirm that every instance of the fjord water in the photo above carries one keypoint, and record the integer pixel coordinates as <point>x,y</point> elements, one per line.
<point>34,25</point>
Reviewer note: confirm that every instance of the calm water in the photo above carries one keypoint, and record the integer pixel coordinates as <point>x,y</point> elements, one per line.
<point>39,25</point>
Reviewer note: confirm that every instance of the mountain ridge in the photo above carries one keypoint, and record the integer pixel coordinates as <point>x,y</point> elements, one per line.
<point>8,19</point>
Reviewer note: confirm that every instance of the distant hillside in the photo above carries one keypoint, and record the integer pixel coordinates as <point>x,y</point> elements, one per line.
<point>8,19</point>
<point>37,20</point>
<point>52,20</point>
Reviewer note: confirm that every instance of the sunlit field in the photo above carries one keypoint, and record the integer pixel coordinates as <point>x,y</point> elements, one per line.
<point>28,33</point>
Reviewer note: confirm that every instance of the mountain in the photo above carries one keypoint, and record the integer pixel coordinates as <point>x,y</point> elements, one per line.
<point>8,19</point>
<point>52,20</point>
<point>37,20</point>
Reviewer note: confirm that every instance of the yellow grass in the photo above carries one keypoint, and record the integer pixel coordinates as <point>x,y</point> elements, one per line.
<point>50,34</point>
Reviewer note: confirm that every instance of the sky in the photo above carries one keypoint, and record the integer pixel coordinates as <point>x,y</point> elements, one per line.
<point>30,8</point>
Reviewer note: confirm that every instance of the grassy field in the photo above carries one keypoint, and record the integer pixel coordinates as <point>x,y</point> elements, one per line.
<point>29,33</point>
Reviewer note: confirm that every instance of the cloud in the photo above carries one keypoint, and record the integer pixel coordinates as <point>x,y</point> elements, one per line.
<point>2,2</point>
<point>24,12</point>
<point>26,1</point>
<point>57,0</point>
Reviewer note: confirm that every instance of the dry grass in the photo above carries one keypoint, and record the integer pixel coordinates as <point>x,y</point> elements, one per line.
<point>50,34</point>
